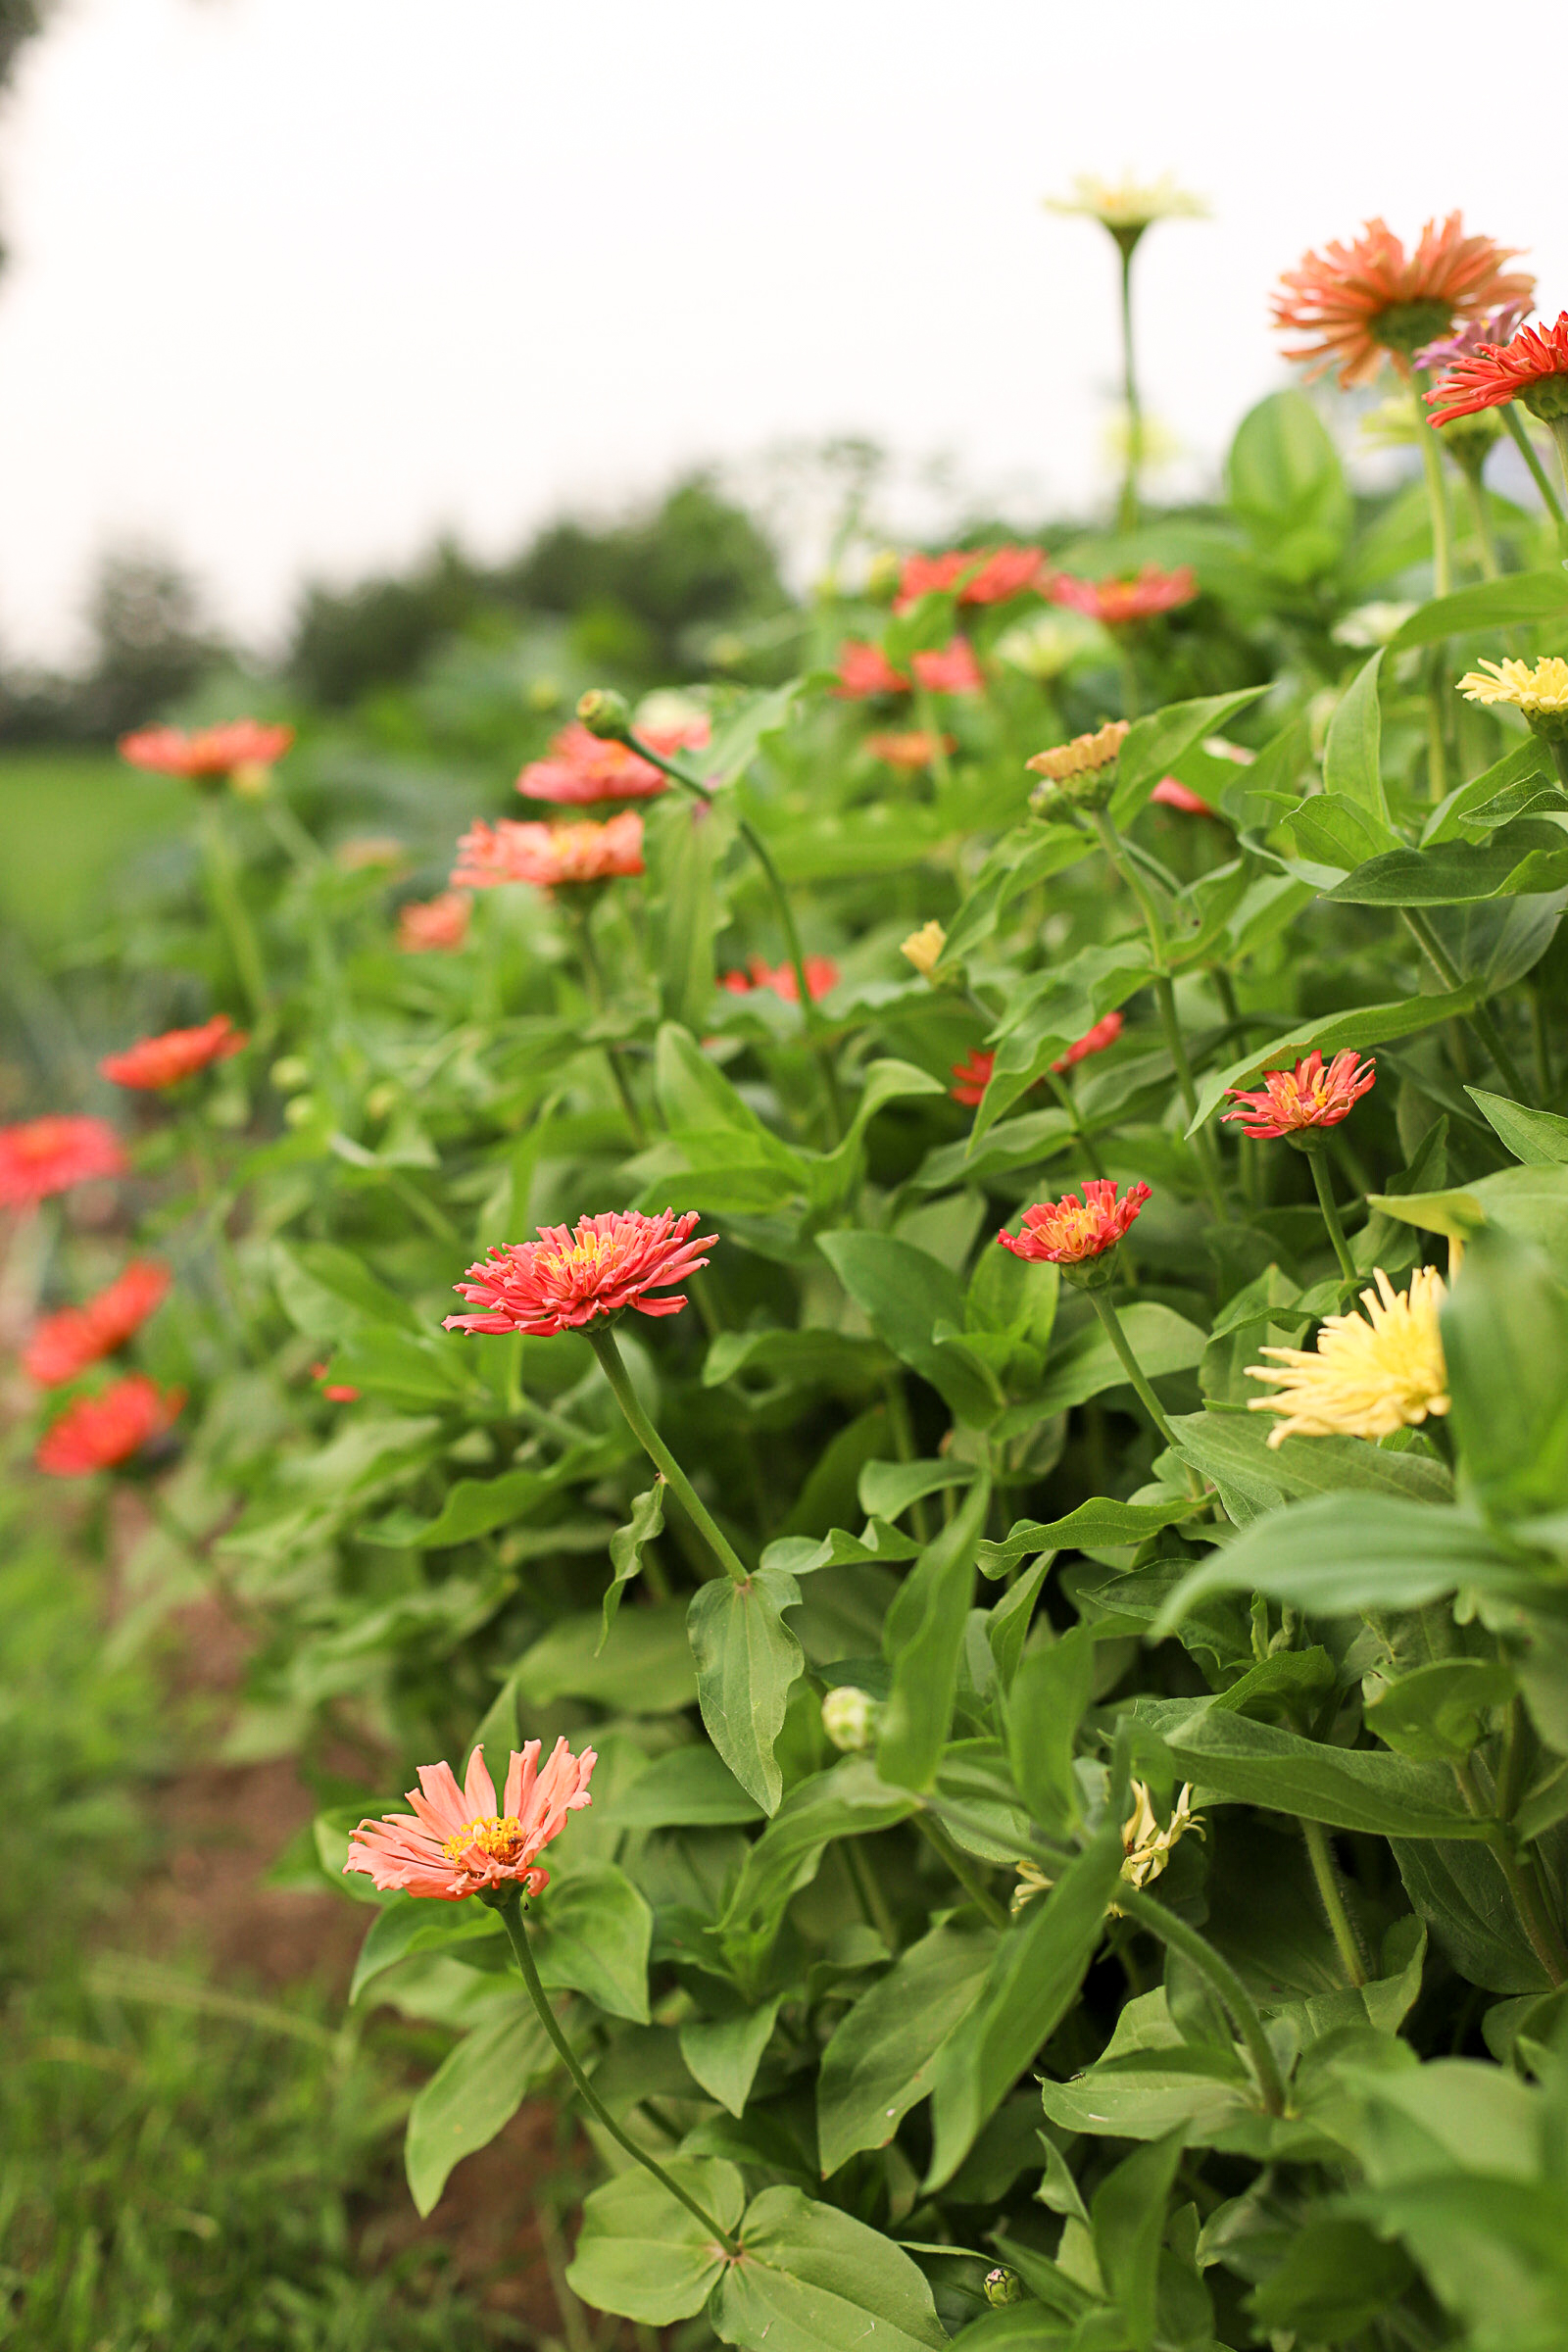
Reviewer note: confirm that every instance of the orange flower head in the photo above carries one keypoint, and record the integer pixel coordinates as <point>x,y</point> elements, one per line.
<point>244,744</point>
<point>1104,1032</point>
<point>583,769</point>
<point>564,1280</point>
<point>435,926</point>
<point>1115,603</point>
<point>45,1156</point>
<point>864,670</point>
<point>456,1842</point>
<point>949,670</point>
<point>911,750</point>
<point>66,1344</point>
<point>1172,794</point>
<point>154,1063</point>
<point>98,1433</point>
<point>821,975</point>
<point>1533,367</point>
<point>1289,1101</point>
<point>1066,1232</point>
<point>979,575</point>
<point>1361,303</point>
<point>549,855</point>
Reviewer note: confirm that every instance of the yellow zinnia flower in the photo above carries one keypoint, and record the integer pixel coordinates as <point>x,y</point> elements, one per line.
<point>1124,206</point>
<point>1368,1374</point>
<point>924,947</point>
<point>1541,691</point>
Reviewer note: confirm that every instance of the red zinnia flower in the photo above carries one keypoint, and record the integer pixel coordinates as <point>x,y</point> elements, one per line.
<point>1533,367</point>
<point>912,750</point>
<point>562,1280</point>
<point>158,1061</point>
<point>1171,795</point>
<point>434,926</point>
<point>1368,301</point>
<point>549,855</point>
<point>864,670</point>
<point>95,1432</point>
<point>585,769</point>
<point>973,1076</point>
<point>1064,1231</point>
<point>456,1842</point>
<point>982,576</point>
<point>44,1156</point>
<point>822,974</point>
<point>953,669</point>
<point>1309,1095</point>
<point>1104,1032</point>
<point>66,1344</point>
<point>1114,601</point>
<point>208,750</point>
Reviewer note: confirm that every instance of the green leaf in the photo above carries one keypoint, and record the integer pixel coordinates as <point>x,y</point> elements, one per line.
<point>847,1801</point>
<point>1351,755</point>
<point>1521,595</point>
<point>722,2054</point>
<point>476,1505</point>
<point>1435,1714</point>
<point>1506,1339</point>
<point>592,1935</point>
<point>1287,486</point>
<point>1086,1364</point>
<point>642,2255</point>
<point>626,1547</point>
<point>904,1292</point>
<point>1255,1477</point>
<point>1031,1983</point>
<point>408,1369</point>
<point>1049,1692</point>
<point>1368,1026</point>
<point>645,1668</point>
<point>810,2277</point>
<point>689,1788</point>
<point>328,1293</point>
<point>1461,1893</point>
<point>742,731</point>
<point>1157,743</point>
<point>1231,1756</point>
<point>878,2063</point>
<point>921,1639</point>
<point>888,1488</point>
<point>473,2093</point>
<point>1530,1203</point>
<point>1531,854</point>
<point>746,1659</point>
<point>410,1925</point>
<point>795,1356</point>
<point>1129,2225</point>
<point>1093,1527</point>
<point>1537,1138</point>
<point>1334,2279</point>
<point>1338,832</point>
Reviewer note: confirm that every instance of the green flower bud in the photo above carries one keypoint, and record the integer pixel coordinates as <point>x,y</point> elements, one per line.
<point>1004,2286</point>
<point>850,1718</point>
<point>606,714</point>
<point>290,1073</point>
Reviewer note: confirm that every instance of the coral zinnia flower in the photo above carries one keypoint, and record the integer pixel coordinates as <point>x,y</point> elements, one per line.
<point>1116,602</point>
<point>972,1076</point>
<point>547,856</point>
<point>912,750</point>
<point>585,769</point>
<point>1064,1231</point>
<point>95,1432</point>
<point>864,670</point>
<point>66,1344</point>
<point>1104,1032</point>
<point>1532,368</point>
<point>1541,692</point>
<point>158,1062</point>
<point>434,926</point>
<point>243,743</point>
<point>821,975</point>
<point>980,576</point>
<point>335,1392</point>
<point>1172,794</point>
<point>44,1156</point>
<point>457,1843</point>
<point>564,1280</point>
<point>1364,301</point>
<point>1309,1095</point>
<point>1083,755</point>
<point>952,669</point>
<point>1368,1375</point>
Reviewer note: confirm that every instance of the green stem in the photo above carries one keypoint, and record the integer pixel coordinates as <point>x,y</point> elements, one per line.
<point>1527,450</point>
<point>1479,1017</point>
<point>1332,1898</point>
<point>868,1893</point>
<point>1437,748</point>
<point>1131,698</point>
<point>1437,494</point>
<point>601,1339</point>
<point>904,1445</point>
<point>1150,1403</point>
<point>930,717</point>
<point>1545,1941</point>
<point>1558,429</point>
<point>1127,507</point>
<point>1490,570</point>
<point>1539,1038</point>
<point>1326,1201</point>
<point>1559,747</point>
<point>941,1841</point>
<point>517,1936</point>
<point>229,906</point>
<point>1154,1916</point>
<point>582,916</point>
<point>1063,1093</point>
<point>290,835</point>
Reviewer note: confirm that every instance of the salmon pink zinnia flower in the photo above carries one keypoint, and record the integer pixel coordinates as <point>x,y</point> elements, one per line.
<point>97,1433</point>
<point>564,1280</point>
<point>1065,1232</point>
<point>1533,367</point>
<point>434,926</point>
<point>1113,603</point>
<point>549,855</point>
<point>153,1063</point>
<point>455,1844</point>
<point>1360,303</point>
<point>66,1344</point>
<point>950,670</point>
<point>821,975</point>
<point>45,1156</point>
<point>1172,794</point>
<point>911,750</point>
<point>866,670</point>
<point>244,742</point>
<point>980,575</point>
<point>583,768</point>
<point>1309,1095</point>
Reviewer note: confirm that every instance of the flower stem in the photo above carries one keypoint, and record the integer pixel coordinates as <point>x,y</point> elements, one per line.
<point>1484,539</point>
<point>1436,495</point>
<point>941,1841</point>
<point>1127,507</point>
<point>1332,1896</point>
<point>1150,1403</point>
<point>1326,1201</point>
<point>1558,429</point>
<point>510,1916</point>
<point>229,906</point>
<point>1546,1938</point>
<point>1064,1095</point>
<point>601,1339</point>
<point>595,980</point>
<point>1527,450</point>
<point>1153,1915</point>
<point>1559,759</point>
<point>1479,1017</point>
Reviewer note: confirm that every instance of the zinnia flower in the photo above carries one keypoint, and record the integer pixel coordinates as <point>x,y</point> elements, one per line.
<point>1499,327</point>
<point>455,1844</point>
<point>1362,302</point>
<point>911,750</point>
<point>1104,1032</point>
<point>1291,1101</point>
<point>1113,603</point>
<point>822,974</point>
<point>950,670</point>
<point>980,576</point>
<point>1533,366</point>
<point>972,1076</point>
<point>158,1061</point>
<point>1065,1232</point>
<point>866,670</point>
<point>924,947</point>
<point>1368,1375</point>
<point>244,744</point>
<point>44,1156</point>
<point>564,1280</point>
<point>584,769</point>
<point>434,926</point>
<point>1172,794</point>
<point>1084,755</point>
<point>1127,207</point>
<point>96,1433</point>
<point>547,856</point>
<point>1540,690</point>
<point>66,1344</point>
<point>336,1392</point>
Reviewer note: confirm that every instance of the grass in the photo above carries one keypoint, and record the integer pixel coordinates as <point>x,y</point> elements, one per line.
<point>69,821</point>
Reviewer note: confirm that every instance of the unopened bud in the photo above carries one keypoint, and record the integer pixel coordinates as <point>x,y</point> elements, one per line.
<point>606,714</point>
<point>290,1073</point>
<point>850,1718</point>
<point>1004,2286</point>
<point>923,948</point>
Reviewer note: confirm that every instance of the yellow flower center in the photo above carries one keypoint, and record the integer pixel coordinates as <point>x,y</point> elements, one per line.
<point>498,1836</point>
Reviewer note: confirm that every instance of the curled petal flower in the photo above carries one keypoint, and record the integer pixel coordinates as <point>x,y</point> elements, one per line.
<point>1309,1095</point>
<point>972,1076</point>
<point>66,1344</point>
<point>434,926</point>
<point>979,575</point>
<point>154,1063</point>
<point>1113,603</point>
<point>821,975</point>
<point>97,1433</point>
<point>1357,303</point>
<point>1172,794</point>
<point>456,1842</point>
<point>1369,1374</point>
<point>585,769</point>
<point>1085,755</point>
<point>44,1156</point>
<point>564,1279</point>
<point>244,742</point>
<point>1065,1232</point>
<point>866,670</point>
<point>1530,366</point>
<point>547,856</point>
<point>949,670</point>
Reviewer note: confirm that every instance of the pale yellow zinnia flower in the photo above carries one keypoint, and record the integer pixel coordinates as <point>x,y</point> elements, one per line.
<point>1146,1845</point>
<point>1540,691</point>
<point>1128,206</point>
<point>924,947</point>
<point>1368,1374</point>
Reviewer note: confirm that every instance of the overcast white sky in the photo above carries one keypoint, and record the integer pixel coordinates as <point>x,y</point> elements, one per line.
<point>295,283</point>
